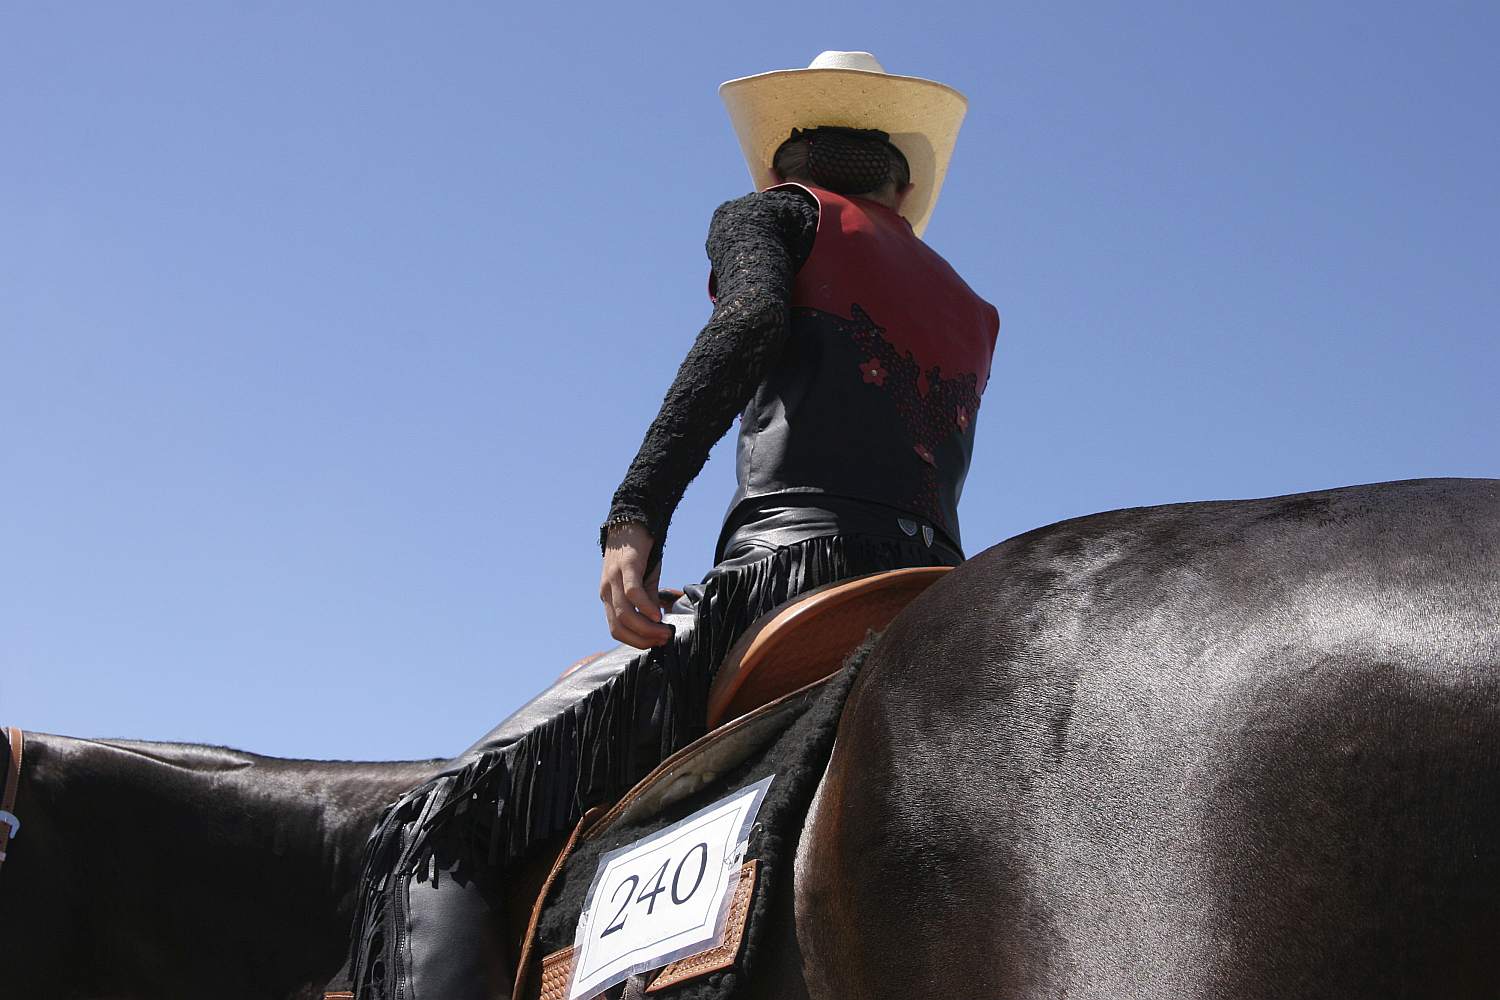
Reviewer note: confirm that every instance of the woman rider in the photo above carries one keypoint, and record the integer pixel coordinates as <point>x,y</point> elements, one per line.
<point>855,358</point>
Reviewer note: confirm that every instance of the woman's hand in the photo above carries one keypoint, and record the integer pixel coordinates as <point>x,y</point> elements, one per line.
<point>630,599</point>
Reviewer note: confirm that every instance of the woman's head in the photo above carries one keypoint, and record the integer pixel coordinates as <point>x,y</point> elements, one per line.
<point>848,161</point>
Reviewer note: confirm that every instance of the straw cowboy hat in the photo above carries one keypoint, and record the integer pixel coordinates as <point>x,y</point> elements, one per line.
<point>850,89</point>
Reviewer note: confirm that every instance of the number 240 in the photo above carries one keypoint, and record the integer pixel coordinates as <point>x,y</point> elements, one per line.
<point>649,898</point>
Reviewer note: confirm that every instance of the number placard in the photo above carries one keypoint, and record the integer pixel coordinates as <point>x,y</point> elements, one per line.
<point>663,897</point>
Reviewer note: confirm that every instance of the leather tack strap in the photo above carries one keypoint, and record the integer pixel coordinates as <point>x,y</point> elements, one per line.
<point>722,954</point>
<point>528,943</point>
<point>557,972</point>
<point>9,824</point>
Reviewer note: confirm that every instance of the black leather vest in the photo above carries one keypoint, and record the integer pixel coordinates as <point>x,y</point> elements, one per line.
<point>876,393</point>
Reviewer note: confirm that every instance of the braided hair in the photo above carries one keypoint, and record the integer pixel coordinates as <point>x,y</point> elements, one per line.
<point>850,161</point>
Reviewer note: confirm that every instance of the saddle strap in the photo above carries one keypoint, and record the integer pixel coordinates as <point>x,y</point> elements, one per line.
<point>9,824</point>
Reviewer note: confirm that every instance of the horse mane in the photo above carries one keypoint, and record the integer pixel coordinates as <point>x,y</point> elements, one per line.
<point>213,757</point>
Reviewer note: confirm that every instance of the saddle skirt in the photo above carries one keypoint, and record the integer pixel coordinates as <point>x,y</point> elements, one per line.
<point>786,742</point>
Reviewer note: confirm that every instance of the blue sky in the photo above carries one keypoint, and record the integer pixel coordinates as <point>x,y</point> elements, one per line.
<point>327,330</point>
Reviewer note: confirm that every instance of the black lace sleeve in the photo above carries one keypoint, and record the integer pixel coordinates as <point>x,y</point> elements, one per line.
<point>755,245</point>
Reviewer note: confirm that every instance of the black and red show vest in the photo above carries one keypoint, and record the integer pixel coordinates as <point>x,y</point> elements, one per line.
<point>876,393</point>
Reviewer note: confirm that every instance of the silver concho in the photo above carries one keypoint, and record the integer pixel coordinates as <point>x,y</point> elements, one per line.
<point>907,525</point>
<point>927,534</point>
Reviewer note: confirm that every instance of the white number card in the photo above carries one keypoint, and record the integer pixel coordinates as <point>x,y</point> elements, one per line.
<point>663,897</point>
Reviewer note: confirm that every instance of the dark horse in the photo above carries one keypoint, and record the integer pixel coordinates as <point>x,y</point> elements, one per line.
<point>1226,750</point>
<point>158,871</point>
<point>1229,750</point>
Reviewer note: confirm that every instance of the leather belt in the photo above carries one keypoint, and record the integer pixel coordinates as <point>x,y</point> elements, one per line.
<point>780,519</point>
<point>9,825</point>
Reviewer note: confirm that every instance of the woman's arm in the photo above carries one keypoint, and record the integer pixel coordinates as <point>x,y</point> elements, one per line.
<point>755,245</point>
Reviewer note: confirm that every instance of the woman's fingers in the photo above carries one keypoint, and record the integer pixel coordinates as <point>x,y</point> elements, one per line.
<point>628,625</point>
<point>633,613</point>
<point>645,607</point>
<point>614,616</point>
<point>635,629</point>
<point>641,599</point>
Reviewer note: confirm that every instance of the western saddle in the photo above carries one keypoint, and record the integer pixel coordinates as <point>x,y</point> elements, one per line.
<point>804,640</point>
<point>807,639</point>
<point>798,644</point>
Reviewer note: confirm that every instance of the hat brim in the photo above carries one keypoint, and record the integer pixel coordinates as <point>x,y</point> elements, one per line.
<point>921,116</point>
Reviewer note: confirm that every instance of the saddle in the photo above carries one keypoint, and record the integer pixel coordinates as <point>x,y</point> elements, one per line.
<point>806,639</point>
<point>773,672</point>
<point>776,674</point>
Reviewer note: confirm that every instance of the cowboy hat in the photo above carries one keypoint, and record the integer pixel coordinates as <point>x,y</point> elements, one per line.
<point>850,89</point>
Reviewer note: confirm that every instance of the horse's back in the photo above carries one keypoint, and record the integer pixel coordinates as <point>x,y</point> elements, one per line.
<point>1230,749</point>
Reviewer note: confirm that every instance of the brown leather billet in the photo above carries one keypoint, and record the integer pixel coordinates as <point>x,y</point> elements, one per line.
<point>10,825</point>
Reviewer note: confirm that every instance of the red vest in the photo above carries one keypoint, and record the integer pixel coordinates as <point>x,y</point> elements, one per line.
<point>876,393</point>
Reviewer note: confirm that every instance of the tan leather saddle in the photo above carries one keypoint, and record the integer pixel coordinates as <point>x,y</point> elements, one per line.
<point>784,652</point>
<point>774,669</point>
<point>807,638</point>
<point>804,640</point>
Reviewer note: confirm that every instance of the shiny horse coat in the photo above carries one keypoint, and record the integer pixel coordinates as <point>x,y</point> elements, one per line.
<point>171,871</point>
<point>1218,750</point>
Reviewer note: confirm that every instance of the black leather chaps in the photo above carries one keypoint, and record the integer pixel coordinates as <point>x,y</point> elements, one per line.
<point>430,925</point>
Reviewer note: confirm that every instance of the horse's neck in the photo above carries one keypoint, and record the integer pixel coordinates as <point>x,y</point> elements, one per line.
<point>249,852</point>
<point>316,811</point>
